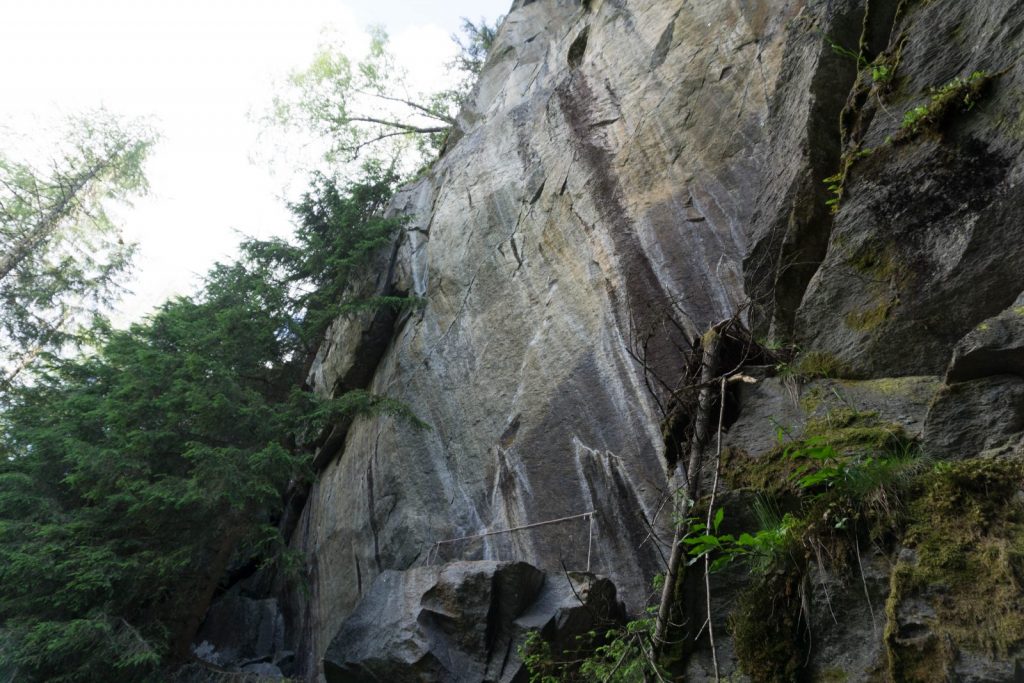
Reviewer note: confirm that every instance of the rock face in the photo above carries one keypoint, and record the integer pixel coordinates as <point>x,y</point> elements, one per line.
<point>462,622</point>
<point>923,249</point>
<point>629,173</point>
<point>244,635</point>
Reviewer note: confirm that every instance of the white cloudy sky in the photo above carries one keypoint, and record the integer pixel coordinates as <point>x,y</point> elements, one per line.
<point>197,68</point>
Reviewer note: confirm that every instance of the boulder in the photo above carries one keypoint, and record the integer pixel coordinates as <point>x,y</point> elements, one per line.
<point>968,418</point>
<point>994,347</point>
<point>460,622</point>
<point>929,234</point>
<point>981,408</point>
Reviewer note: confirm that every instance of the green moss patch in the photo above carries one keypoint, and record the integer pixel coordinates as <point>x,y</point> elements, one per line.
<point>818,364</point>
<point>877,262</point>
<point>966,528</point>
<point>848,430</point>
<point>868,319</point>
<point>852,478</point>
<point>768,629</point>
<point>770,473</point>
<point>899,386</point>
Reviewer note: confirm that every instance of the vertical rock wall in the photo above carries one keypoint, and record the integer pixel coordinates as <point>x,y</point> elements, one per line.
<point>629,173</point>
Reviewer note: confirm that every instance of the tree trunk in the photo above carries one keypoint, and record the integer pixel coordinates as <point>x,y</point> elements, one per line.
<point>688,479</point>
<point>47,223</point>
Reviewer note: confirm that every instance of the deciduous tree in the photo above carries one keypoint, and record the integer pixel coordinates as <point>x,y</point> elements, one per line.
<point>369,108</point>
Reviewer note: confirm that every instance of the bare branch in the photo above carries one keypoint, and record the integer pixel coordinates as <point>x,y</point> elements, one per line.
<point>358,148</point>
<point>409,103</point>
<point>711,510</point>
<point>689,477</point>
<point>407,127</point>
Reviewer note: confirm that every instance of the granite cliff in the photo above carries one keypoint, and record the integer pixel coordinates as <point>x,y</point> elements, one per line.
<point>628,174</point>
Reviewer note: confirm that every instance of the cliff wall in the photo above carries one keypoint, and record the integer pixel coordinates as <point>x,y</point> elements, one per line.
<point>628,174</point>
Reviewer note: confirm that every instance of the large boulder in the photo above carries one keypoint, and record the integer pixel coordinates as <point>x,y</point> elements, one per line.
<point>461,622</point>
<point>981,408</point>
<point>969,418</point>
<point>929,232</point>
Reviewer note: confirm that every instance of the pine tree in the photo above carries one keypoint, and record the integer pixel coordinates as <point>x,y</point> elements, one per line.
<point>133,477</point>
<point>61,256</point>
<point>339,230</point>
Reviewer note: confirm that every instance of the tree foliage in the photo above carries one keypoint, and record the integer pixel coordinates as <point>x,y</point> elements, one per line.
<point>133,477</point>
<point>339,229</point>
<point>474,46</point>
<point>368,107</point>
<point>60,253</point>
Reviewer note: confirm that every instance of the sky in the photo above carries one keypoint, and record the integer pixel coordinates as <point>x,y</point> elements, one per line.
<point>200,71</point>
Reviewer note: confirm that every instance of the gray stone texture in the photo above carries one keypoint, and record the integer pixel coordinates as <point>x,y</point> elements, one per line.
<point>462,622</point>
<point>628,173</point>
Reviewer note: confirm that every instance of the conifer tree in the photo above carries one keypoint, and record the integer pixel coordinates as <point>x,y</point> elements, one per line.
<point>133,477</point>
<point>61,256</point>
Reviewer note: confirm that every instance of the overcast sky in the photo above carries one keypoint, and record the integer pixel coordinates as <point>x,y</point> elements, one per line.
<point>197,68</point>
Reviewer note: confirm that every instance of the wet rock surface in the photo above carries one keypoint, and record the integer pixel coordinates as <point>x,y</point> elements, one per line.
<point>994,347</point>
<point>925,244</point>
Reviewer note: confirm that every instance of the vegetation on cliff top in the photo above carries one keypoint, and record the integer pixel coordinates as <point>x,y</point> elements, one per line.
<point>370,109</point>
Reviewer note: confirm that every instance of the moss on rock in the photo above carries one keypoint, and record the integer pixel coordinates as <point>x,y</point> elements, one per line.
<point>815,364</point>
<point>768,628</point>
<point>868,319</point>
<point>965,528</point>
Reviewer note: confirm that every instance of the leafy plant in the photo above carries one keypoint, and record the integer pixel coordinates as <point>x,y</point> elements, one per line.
<point>958,95</point>
<point>758,548</point>
<point>625,657</point>
<point>535,652</point>
<point>623,654</point>
<point>845,475</point>
<point>882,73</point>
<point>836,184</point>
<point>847,52</point>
